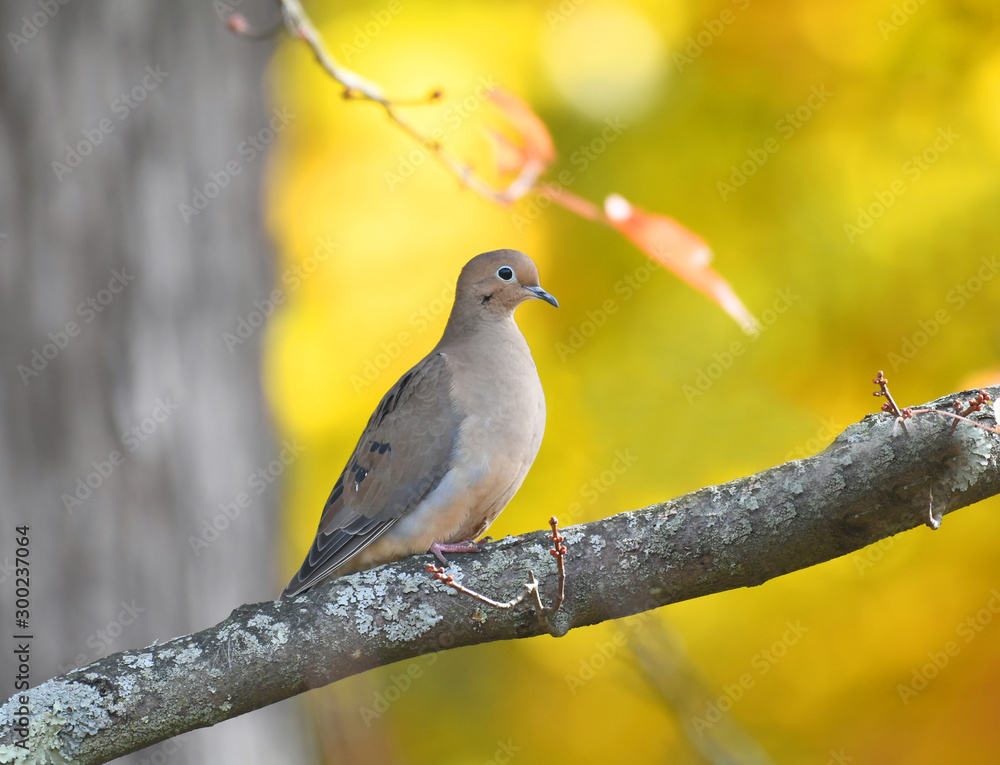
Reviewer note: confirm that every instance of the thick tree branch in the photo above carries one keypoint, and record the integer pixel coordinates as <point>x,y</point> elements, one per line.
<point>869,484</point>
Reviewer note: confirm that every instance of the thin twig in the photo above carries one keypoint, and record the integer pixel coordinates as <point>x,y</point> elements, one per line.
<point>890,405</point>
<point>558,551</point>
<point>957,417</point>
<point>974,405</point>
<point>449,579</point>
<point>356,87</point>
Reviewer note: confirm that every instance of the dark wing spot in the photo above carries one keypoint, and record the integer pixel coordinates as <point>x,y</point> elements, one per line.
<point>359,473</point>
<point>403,383</point>
<point>391,402</point>
<point>337,491</point>
<point>375,445</point>
<point>383,448</point>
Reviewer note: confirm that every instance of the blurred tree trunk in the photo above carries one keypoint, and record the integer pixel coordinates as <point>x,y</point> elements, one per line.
<point>139,397</point>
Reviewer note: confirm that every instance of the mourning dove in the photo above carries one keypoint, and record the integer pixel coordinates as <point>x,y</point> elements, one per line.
<point>450,443</point>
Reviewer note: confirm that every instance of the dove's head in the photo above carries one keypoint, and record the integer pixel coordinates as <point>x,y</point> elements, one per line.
<point>501,279</point>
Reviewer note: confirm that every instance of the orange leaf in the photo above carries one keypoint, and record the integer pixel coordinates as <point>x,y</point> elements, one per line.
<point>537,143</point>
<point>510,157</point>
<point>680,250</point>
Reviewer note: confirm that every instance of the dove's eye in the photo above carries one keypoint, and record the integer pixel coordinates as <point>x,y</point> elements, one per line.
<point>506,273</point>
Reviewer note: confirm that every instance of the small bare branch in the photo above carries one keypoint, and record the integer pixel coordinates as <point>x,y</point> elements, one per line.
<point>890,405</point>
<point>558,551</point>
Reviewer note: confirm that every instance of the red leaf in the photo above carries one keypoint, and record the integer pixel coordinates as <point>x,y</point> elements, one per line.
<point>680,250</point>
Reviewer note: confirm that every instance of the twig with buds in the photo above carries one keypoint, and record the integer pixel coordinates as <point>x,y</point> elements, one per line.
<point>959,415</point>
<point>357,88</point>
<point>890,405</point>
<point>558,551</point>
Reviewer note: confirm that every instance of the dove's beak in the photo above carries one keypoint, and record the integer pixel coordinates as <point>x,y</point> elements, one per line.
<point>541,294</point>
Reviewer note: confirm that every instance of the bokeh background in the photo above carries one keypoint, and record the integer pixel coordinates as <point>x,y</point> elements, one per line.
<point>872,223</point>
<point>701,87</point>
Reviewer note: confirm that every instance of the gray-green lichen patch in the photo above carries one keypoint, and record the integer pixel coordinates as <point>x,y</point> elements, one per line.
<point>573,535</point>
<point>188,656</point>
<point>735,528</point>
<point>125,685</point>
<point>631,549</point>
<point>61,715</point>
<point>139,661</point>
<point>856,432</point>
<point>362,597</point>
<point>239,643</point>
<point>667,518</point>
<point>414,622</point>
<point>780,516</point>
<point>502,559</point>
<point>411,582</point>
<point>793,483</point>
<point>844,458</point>
<point>972,461</point>
<point>275,632</point>
<point>835,483</point>
<point>746,499</point>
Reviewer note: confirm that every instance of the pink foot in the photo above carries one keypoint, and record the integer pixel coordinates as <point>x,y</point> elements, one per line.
<point>461,547</point>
